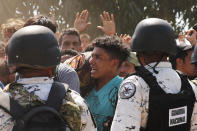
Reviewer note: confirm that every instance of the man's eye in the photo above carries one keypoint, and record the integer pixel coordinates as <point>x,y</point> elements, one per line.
<point>76,44</point>
<point>66,43</point>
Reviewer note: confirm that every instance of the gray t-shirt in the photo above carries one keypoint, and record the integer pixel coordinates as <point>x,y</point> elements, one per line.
<point>68,75</point>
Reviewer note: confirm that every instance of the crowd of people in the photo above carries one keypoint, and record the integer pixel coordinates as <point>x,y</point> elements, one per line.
<point>65,81</point>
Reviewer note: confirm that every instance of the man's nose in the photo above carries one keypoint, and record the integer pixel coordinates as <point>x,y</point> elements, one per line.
<point>72,47</point>
<point>91,60</point>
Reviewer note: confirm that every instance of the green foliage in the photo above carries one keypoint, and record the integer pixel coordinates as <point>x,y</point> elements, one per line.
<point>127,12</point>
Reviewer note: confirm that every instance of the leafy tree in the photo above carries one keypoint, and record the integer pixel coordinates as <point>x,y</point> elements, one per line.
<point>127,12</point>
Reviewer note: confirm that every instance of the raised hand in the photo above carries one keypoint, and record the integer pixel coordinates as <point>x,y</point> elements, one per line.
<point>80,22</point>
<point>109,27</point>
<point>126,39</point>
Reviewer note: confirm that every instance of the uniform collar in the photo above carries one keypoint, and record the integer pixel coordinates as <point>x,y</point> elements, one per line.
<point>160,65</point>
<point>36,80</point>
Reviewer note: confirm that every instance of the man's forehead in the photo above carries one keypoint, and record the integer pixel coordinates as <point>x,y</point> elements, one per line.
<point>99,51</point>
<point>71,37</point>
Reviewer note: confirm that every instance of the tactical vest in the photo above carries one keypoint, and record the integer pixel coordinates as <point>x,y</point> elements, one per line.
<point>69,109</point>
<point>168,112</point>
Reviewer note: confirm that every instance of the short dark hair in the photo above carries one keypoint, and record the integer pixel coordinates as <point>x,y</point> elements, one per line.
<point>42,20</point>
<point>89,48</point>
<point>69,31</point>
<point>69,52</point>
<point>181,55</point>
<point>113,46</point>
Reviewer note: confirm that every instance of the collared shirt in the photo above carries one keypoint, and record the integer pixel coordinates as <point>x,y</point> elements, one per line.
<point>65,74</point>
<point>39,86</point>
<point>68,75</point>
<point>35,91</point>
<point>102,103</point>
<point>132,112</point>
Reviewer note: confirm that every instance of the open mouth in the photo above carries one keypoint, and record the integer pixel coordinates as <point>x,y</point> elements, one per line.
<point>93,70</point>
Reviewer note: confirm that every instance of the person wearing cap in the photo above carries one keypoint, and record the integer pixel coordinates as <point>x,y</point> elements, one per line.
<point>128,66</point>
<point>182,60</point>
<point>156,97</point>
<point>34,52</point>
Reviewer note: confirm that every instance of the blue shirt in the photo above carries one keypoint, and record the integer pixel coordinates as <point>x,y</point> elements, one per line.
<point>1,85</point>
<point>102,103</point>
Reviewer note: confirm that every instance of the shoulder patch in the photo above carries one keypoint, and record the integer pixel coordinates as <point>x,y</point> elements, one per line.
<point>127,90</point>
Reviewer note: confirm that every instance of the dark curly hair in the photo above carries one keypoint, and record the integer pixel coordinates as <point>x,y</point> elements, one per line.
<point>42,20</point>
<point>114,46</point>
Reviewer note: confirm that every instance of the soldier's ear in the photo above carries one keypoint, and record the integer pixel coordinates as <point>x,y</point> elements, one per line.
<point>179,63</point>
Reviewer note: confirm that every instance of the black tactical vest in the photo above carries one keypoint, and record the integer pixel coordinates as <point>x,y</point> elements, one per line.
<point>168,112</point>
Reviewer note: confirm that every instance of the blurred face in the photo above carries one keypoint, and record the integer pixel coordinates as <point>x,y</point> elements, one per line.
<point>84,42</point>
<point>101,64</point>
<point>189,68</point>
<point>7,35</point>
<point>71,42</point>
<point>2,53</point>
<point>126,68</point>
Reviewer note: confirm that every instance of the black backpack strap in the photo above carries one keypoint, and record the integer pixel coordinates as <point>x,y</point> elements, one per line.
<point>56,95</point>
<point>148,78</point>
<point>11,106</point>
<point>16,110</point>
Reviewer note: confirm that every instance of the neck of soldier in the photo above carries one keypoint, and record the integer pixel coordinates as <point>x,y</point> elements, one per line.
<point>100,82</point>
<point>147,60</point>
<point>28,73</point>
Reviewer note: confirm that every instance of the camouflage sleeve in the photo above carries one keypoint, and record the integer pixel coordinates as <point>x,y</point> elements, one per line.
<point>193,83</point>
<point>194,118</point>
<point>194,114</point>
<point>128,114</point>
<point>87,121</point>
<point>6,122</point>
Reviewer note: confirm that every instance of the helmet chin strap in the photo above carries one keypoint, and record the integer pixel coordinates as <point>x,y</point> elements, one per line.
<point>154,70</point>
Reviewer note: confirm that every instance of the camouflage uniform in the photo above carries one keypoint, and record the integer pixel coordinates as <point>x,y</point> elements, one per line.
<point>35,91</point>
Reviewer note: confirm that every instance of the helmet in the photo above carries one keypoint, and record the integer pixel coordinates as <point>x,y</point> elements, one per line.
<point>33,46</point>
<point>194,55</point>
<point>154,34</point>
